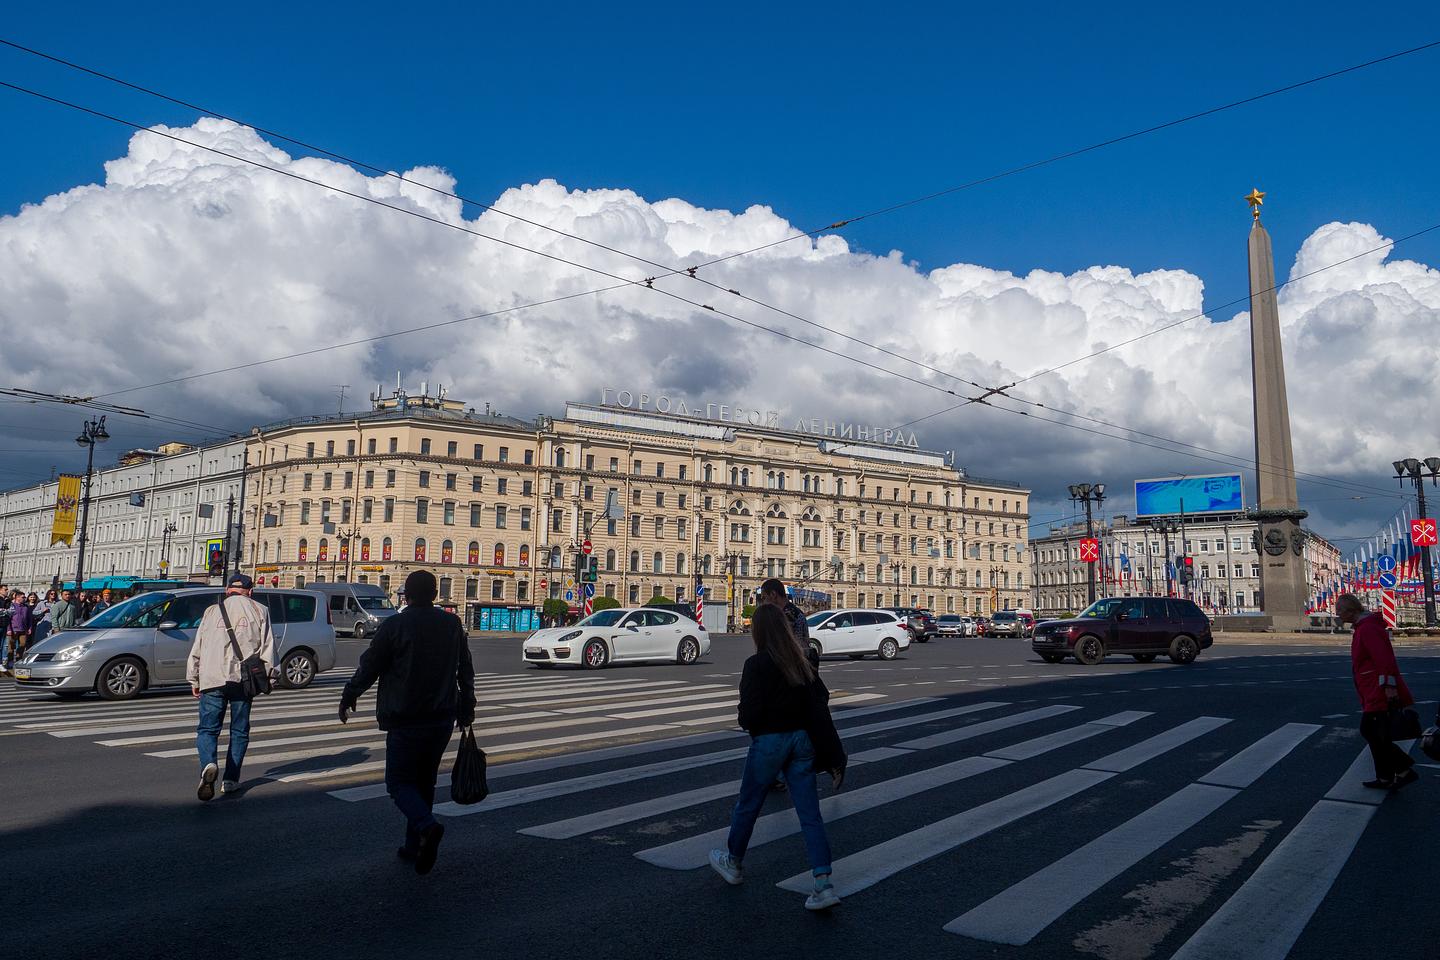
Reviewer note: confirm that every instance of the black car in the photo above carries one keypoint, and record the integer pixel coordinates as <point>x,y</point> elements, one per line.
<point>1143,627</point>
<point>920,623</point>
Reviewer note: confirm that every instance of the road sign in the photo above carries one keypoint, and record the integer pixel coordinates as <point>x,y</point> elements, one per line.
<point>1386,563</point>
<point>1423,532</point>
<point>1387,579</point>
<point>544,584</point>
<point>1090,550</point>
<point>569,596</point>
<point>585,548</point>
<point>589,590</point>
<point>1387,607</point>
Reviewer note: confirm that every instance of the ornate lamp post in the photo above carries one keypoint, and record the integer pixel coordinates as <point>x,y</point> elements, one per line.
<point>1088,493</point>
<point>1416,471</point>
<point>91,433</point>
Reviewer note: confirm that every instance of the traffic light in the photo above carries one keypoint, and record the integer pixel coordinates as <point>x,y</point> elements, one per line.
<point>215,558</point>
<point>1187,570</point>
<point>589,569</point>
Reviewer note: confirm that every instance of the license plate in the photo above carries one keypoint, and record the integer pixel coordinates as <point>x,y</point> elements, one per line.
<point>22,673</point>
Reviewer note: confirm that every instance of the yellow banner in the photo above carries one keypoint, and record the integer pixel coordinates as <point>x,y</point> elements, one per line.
<point>67,504</point>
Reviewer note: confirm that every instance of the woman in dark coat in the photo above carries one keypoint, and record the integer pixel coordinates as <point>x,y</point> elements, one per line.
<point>780,696</point>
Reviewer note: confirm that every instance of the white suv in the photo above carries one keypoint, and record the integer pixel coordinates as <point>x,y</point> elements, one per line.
<point>858,632</point>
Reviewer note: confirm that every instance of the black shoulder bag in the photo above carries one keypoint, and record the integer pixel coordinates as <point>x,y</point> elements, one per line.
<point>467,779</point>
<point>254,677</point>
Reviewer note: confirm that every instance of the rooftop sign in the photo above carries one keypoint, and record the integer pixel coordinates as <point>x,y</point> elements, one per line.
<point>749,416</point>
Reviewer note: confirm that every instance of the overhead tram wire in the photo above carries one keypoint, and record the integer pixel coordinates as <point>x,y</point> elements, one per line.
<point>692,271</point>
<point>646,283</point>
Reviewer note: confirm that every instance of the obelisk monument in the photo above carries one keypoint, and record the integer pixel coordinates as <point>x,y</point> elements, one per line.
<point>1283,588</point>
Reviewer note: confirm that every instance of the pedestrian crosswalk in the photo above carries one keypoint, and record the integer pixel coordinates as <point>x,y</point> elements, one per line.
<point>296,735</point>
<point>931,778</point>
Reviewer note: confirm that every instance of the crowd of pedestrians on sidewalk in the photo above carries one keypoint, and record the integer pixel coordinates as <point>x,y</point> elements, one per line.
<point>27,619</point>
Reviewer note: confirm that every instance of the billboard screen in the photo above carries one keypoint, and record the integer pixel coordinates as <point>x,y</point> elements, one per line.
<point>1170,496</point>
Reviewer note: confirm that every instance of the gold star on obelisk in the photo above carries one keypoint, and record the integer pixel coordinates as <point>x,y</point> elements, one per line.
<point>1255,198</point>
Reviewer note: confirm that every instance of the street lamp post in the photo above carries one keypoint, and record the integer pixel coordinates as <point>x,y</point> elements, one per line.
<point>1167,529</point>
<point>91,433</point>
<point>1089,493</point>
<point>1416,471</point>
<point>4,549</point>
<point>165,532</point>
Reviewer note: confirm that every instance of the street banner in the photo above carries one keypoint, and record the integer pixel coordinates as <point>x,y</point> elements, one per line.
<point>67,504</point>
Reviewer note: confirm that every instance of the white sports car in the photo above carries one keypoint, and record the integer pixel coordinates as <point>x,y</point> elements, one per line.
<point>619,634</point>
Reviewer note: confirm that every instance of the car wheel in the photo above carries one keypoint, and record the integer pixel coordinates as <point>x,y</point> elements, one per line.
<point>595,655</point>
<point>1144,657</point>
<point>815,648</point>
<point>1089,650</point>
<point>1052,657</point>
<point>689,651</point>
<point>359,631</point>
<point>1183,649</point>
<point>298,669</point>
<point>921,637</point>
<point>121,679</point>
<point>889,649</point>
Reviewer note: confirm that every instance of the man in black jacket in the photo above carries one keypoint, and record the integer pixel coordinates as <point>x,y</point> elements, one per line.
<point>421,657</point>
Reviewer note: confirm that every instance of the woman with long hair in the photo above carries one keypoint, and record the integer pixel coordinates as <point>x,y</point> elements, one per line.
<point>779,692</point>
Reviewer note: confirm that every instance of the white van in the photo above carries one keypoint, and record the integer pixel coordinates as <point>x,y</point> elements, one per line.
<point>356,609</point>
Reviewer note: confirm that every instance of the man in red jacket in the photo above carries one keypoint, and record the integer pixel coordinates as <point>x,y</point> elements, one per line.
<point>1381,689</point>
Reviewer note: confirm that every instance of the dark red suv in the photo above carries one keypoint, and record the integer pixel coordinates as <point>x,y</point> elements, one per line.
<point>1143,627</point>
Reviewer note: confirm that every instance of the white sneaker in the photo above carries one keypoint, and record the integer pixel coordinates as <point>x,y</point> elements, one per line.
<point>823,898</point>
<point>229,786</point>
<point>727,866</point>
<point>206,790</point>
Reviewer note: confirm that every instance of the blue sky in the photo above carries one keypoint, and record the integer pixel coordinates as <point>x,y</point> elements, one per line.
<point>818,111</point>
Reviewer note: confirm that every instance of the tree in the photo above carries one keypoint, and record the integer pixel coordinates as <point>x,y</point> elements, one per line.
<point>555,609</point>
<point>604,603</point>
<point>747,611</point>
<point>658,598</point>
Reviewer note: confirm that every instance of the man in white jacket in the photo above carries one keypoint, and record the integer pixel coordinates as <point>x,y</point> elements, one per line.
<point>214,674</point>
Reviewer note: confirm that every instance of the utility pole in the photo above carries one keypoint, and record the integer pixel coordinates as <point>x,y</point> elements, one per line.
<point>1416,471</point>
<point>240,527</point>
<point>165,532</point>
<point>1089,493</point>
<point>91,433</point>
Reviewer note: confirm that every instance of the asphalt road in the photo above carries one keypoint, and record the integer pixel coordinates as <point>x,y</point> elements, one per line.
<point>1124,811</point>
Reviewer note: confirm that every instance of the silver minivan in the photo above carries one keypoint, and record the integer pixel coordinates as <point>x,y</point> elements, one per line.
<point>144,642</point>
<point>356,609</point>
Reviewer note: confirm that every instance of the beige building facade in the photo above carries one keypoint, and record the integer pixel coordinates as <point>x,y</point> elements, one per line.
<point>499,508</point>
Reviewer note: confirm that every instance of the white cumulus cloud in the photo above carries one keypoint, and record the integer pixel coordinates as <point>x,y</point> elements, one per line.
<point>184,260</point>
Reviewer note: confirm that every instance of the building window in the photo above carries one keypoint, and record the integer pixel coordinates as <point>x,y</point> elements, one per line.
<point>310,451</point>
<point>557,520</point>
<point>370,445</point>
<point>389,478</point>
<point>425,445</point>
<point>504,454</point>
<point>529,458</point>
<point>389,509</point>
<point>634,561</point>
<point>304,511</point>
<point>634,593</point>
<point>386,547</point>
<point>367,510</point>
<point>394,444</point>
<point>634,524</point>
<point>497,589</point>
<point>422,510</point>
<point>524,518</point>
<point>475,509</point>
<point>657,562</point>
<point>424,478</point>
<point>449,513</point>
<point>500,517</point>
<point>449,481</point>
<point>369,479</point>
<point>609,559</point>
<point>419,549</point>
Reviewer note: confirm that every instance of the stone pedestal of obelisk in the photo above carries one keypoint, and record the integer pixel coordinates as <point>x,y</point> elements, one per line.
<point>1280,540</point>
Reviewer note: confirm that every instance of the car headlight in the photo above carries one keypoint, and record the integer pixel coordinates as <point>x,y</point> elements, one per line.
<point>569,636</point>
<point>74,652</point>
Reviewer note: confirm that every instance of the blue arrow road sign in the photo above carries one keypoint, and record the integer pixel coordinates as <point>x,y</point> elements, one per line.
<point>570,594</point>
<point>1386,563</point>
<point>1387,579</point>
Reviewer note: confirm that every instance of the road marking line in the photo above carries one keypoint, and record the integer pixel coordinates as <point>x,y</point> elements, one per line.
<point>1019,913</point>
<point>1064,738</point>
<point>989,726</point>
<point>1131,757</point>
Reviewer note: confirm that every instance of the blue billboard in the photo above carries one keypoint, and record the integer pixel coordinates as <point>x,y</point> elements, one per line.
<point>1172,496</point>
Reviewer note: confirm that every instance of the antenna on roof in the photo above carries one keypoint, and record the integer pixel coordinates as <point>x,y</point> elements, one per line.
<point>342,387</point>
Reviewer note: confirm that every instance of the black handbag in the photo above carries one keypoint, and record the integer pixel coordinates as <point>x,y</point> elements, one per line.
<point>254,676</point>
<point>1403,724</point>
<point>820,727</point>
<point>467,779</point>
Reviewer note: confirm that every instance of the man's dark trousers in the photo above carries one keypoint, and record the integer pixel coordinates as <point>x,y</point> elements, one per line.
<point>412,759</point>
<point>1390,760</point>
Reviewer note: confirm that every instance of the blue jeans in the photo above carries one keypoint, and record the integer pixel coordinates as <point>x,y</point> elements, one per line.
<point>770,755</point>
<point>207,735</point>
<point>412,759</point>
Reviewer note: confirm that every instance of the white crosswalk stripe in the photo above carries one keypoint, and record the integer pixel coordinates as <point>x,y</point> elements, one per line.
<point>296,735</point>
